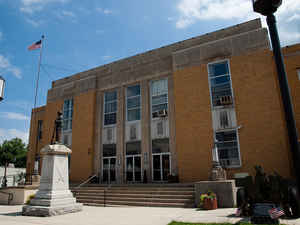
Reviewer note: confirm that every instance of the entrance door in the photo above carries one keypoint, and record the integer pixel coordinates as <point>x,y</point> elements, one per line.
<point>161,166</point>
<point>133,168</point>
<point>109,169</point>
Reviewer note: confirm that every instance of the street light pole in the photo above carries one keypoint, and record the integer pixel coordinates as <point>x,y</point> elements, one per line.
<point>268,8</point>
<point>285,94</point>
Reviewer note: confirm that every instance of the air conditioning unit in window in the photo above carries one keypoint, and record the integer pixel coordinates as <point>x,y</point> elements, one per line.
<point>226,100</point>
<point>163,113</point>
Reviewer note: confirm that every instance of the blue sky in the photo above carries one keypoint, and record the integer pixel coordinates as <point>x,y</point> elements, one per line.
<point>81,35</point>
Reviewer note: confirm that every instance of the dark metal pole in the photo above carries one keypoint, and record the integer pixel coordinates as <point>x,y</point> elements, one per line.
<point>286,97</point>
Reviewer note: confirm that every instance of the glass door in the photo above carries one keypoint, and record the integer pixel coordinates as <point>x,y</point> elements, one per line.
<point>109,169</point>
<point>133,168</point>
<point>161,166</point>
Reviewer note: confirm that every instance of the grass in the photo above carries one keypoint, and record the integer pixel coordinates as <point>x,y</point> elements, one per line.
<point>183,223</point>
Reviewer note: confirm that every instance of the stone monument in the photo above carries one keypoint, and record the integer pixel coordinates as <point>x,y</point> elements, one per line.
<point>217,172</point>
<point>53,197</point>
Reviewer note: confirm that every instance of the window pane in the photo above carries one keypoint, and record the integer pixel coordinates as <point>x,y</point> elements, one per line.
<point>160,99</point>
<point>159,87</point>
<point>228,148</point>
<point>218,69</point>
<point>133,148</point>
<point>109,150</point>
<point>156,108</point>
<point>65,124</point>
<point>110,118</point>
<point>219,82</point>
<point>133,102</point>
<point>66,104</point>
<point>110,107</point>
<point>110,96</point>
<point>226,136</point>
<point>134,114</point>
<point>160,145</point>
<point>133,91</point>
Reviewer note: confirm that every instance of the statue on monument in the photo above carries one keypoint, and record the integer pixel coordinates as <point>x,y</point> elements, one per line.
<point>56,136</point>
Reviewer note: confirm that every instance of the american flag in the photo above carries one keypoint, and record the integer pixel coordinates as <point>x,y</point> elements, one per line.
<point>238,212</point>
<point>276,212</point>
<point>36,45</point>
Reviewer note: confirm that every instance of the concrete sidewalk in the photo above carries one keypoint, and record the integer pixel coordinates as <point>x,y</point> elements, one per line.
<point>11,215</point>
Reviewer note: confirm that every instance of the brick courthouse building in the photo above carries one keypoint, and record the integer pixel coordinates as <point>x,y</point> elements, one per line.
<point>158,113</point>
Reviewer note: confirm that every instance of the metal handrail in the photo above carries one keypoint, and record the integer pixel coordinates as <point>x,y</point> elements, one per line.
<point>10,196</point>
<point>83,183</point>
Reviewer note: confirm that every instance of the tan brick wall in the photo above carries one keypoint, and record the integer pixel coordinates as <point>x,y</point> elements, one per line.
<point>292,63</point>
<point>83,136</point>
<point>36,115</point>
<point>263,136</point>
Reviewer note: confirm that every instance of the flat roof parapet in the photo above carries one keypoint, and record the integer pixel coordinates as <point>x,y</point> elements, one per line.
<point>159,53</point>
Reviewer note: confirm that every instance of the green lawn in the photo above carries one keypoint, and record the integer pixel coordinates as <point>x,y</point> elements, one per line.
<point>182,223</point>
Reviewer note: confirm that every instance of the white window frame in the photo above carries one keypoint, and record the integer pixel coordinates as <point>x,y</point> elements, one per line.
<point>209,81</point>
<point>109,125</point>
<point>151,95</point>
<point>238,146</point>
<point>140,107</point>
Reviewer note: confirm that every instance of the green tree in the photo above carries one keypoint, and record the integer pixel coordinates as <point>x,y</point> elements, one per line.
<point>13,151</point>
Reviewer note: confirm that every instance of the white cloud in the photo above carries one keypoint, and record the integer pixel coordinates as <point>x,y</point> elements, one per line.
<point>5,65</point>
<point>104,11</point>
<point>32,6</point>
<point>24,105</point>
<point>34,23</point>
<point>8,134</point>
<point>294,17</point>
<point>14,116</point>
<point>192,11</point>
<point>68,13</point>
<point>288,37</point>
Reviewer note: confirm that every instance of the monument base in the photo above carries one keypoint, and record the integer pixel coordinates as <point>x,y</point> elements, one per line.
<point>53,197</point>
<point>42,211</point>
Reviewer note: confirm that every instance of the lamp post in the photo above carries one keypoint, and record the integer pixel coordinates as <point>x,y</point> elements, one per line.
<point>268,8</point>
<point>2,83</point>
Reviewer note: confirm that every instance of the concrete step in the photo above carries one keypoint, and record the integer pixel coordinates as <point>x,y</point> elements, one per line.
<point>161,192</point>
<point>137,196</point>
<point>160,200</point>
<point>133,189</point>
<point>146,204</point>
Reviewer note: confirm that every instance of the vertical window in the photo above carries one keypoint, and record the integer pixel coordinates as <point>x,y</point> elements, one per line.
<point>228,149</point>
<point>159,97</point>
<point>133,103</point>
<point>220,84</point>
<point>110,108</point>
<point>298,73</point>
<point>67,115</point>
<point>40,128</point>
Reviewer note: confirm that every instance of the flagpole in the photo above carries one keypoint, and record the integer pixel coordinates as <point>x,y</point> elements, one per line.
<point>35,98</point>
<point>39,68</point>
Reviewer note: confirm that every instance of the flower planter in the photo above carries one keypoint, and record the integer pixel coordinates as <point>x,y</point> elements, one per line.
<point>210,203</point>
